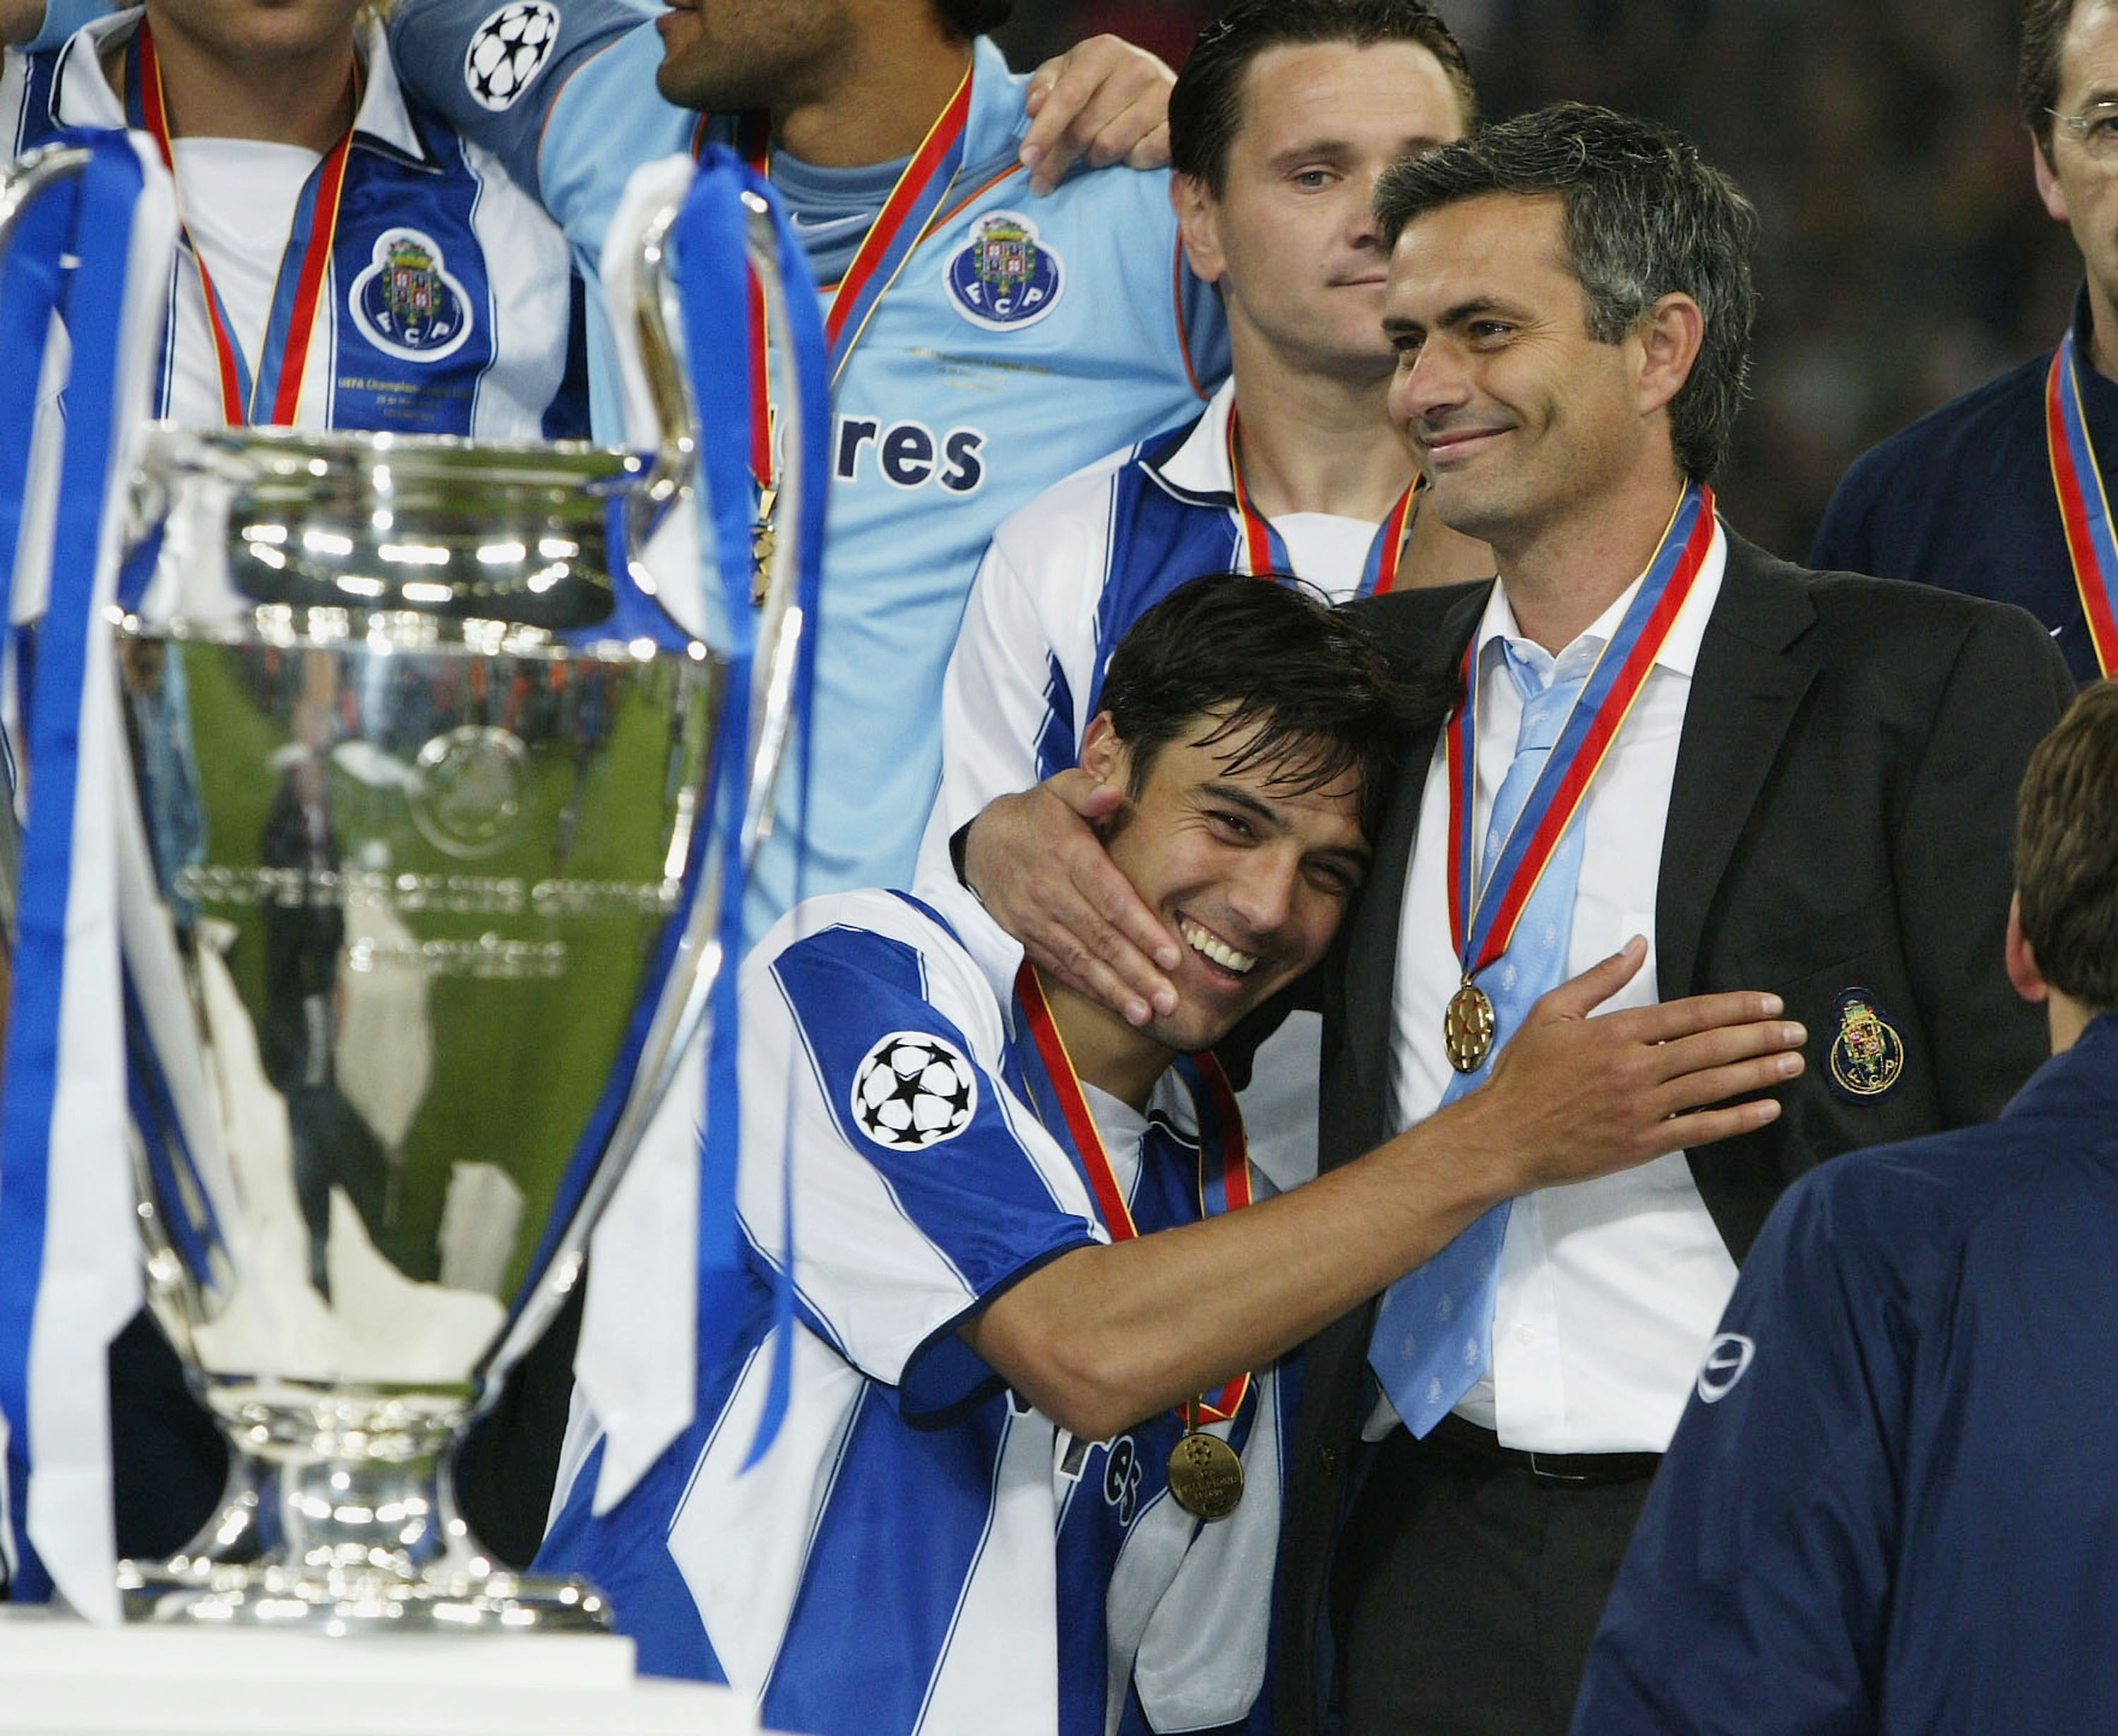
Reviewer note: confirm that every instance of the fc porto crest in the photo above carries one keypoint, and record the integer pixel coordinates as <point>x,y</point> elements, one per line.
<point>1868,1054</point>
<point>1004,277</point>
<point>406,303</point>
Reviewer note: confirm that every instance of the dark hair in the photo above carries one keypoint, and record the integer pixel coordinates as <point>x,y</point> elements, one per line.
<point>1237,653</point>
<point>2066,850</point>
<point>974,17</point>
<point>1645,216</point>
<point>2037,73</point>
<point>1206,106</point>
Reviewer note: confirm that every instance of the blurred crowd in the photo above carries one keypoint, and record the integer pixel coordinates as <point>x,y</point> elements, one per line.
<point>1906,257</point>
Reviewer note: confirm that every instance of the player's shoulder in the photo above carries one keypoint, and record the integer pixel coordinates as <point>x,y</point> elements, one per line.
<point>1076,507</point>
<point>1858,618</point>
<point>1967,428</point>
<point>884,948</point>
<point>832,922</point>
<point>1907,1215</point>
<point>1088,199</point>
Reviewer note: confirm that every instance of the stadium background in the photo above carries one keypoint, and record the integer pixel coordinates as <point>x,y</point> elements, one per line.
<point>1906,257</point>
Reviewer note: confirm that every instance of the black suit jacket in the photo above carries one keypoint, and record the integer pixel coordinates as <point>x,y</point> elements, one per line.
<point>1841,817</point>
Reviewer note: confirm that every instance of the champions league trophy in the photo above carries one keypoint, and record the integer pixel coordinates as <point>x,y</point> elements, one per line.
<point>422,909</point>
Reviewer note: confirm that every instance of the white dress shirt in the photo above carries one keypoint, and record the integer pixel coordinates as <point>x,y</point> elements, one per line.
<point>1609,1289</point>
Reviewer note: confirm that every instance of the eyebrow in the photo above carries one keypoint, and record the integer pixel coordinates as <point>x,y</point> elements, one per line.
<point>1396,325</point>
<point>1310,148</point>
<point>1236,796</point>
<point>1411,145</point>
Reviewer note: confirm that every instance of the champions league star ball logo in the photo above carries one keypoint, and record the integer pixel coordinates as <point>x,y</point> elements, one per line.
<point>1004,277</point>
<point>914,1091</point>
<point>406,303</point>
<point>507,51</point>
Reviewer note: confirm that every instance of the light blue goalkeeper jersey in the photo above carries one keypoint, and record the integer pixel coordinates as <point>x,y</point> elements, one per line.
<point>1024,338</point>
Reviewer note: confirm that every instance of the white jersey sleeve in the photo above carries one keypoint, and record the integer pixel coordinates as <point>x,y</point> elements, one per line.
<point>873,1056</point>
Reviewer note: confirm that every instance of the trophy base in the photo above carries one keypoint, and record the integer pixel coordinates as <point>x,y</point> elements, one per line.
<point>336,1520</point>
<point>359,1601</point>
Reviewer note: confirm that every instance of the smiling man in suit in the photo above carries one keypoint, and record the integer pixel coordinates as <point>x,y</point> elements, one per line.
<point>1789,781</point>
<point>1802,782</point>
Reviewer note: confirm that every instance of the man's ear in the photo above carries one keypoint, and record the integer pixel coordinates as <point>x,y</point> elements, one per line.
<point>2048,187</point>
<point>2023,969</point>
<point>1199,224</point>
<point>1670,338</point>
<point>1103,755</point>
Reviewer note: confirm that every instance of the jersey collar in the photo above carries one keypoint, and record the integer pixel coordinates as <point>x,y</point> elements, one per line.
<point>998,954</point>
<point>1678,652</point>
<point>81,97</point>
<point>1197,471</point>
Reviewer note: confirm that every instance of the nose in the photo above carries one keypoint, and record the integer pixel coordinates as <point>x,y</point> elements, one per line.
<point>1429,381</point>
<point>1260,893</point>
<point>1362,231</point>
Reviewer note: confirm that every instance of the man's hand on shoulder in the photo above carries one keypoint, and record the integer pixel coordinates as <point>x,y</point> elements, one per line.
<point>1571,1096</point>
<point>1104,101</point>
<point>1037,865</point>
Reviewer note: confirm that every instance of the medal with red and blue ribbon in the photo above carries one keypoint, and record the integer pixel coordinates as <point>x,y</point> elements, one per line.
<point>1047,1077</point>
<point>2083,507</point>
<point>1265,553</point>
<point>922,187</point>
<point>1482,918</point>
<point>274,396</point>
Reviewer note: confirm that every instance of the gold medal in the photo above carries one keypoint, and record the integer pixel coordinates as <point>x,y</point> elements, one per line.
<point>763,541</point>
<point>1467,1028</point>
<point>1205,1475</point>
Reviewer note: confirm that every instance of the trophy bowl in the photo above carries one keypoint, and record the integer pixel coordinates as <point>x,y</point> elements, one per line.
<point>415,918</point>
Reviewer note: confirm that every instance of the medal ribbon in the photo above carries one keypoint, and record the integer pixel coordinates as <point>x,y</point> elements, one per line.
<point>297,296</point>
<point>1223,1185</point>
<point>1265,553</point>
<point>2083,507</point>
<point>753,144</point>
<point>899,226</point>
<point>1481,919</point>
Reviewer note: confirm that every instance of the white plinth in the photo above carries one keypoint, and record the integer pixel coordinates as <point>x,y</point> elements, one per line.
<point>60,1675</point>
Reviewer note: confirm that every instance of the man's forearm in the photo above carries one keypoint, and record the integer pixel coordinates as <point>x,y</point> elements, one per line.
<point>1103,1336</point>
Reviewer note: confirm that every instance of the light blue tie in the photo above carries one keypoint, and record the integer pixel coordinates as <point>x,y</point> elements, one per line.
<point>1434,1332</point>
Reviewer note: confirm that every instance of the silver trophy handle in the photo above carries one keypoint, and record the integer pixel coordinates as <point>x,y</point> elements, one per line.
<point>30,174</point>
<point>21,182</point>
<point>673,478</point>
<point>672,481</point>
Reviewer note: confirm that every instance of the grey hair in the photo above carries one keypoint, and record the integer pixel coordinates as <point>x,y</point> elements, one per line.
<point>1645,217</point>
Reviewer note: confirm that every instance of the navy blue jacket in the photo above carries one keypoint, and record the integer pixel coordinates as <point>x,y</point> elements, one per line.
<point>1892,1505</point>
<point>1963,499</point>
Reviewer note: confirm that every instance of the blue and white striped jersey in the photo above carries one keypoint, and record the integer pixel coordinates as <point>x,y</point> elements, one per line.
<point>1064,579</point>
<point>920,1551</point>
<point>1068,574</point>
<point>423,216</point>
<point>948,415</point>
